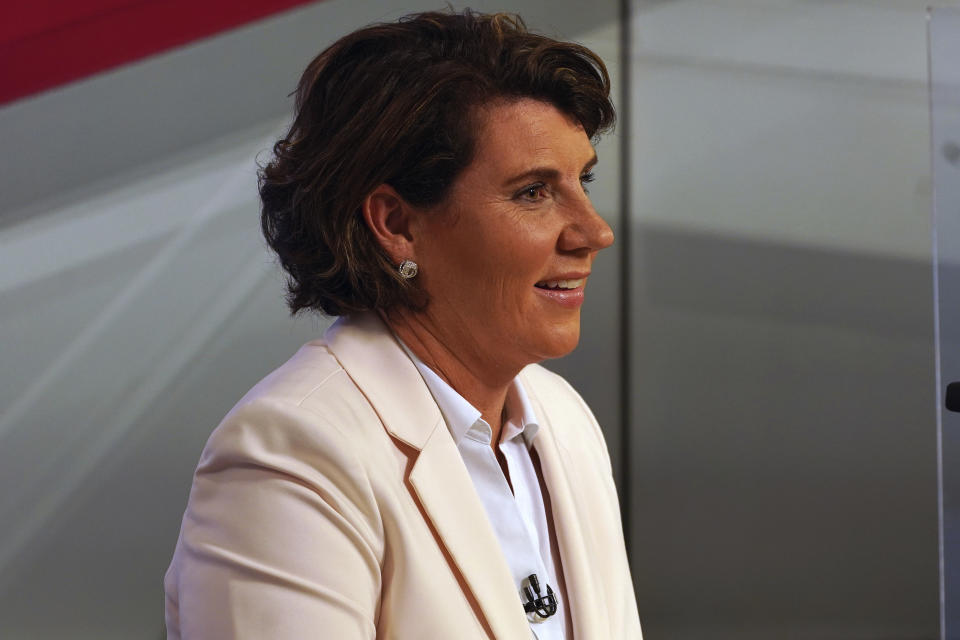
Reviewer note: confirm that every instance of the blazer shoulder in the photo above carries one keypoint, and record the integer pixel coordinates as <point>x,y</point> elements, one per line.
<point>306,407</point>
<point>311,367</point>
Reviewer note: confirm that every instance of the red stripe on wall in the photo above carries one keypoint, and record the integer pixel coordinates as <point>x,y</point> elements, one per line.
<point>46,43</point>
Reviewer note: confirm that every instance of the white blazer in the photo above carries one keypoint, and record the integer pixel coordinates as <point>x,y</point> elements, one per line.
<point>332,502</point>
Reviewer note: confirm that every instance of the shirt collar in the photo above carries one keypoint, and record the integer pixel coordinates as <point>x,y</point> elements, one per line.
<point>520,416</point>
<point>463,418</point>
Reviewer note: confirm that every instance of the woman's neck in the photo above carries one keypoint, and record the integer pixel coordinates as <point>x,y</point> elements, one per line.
<point>459,362</point>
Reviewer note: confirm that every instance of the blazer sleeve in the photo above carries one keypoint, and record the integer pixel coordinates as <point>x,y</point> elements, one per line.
<point>281,537</point>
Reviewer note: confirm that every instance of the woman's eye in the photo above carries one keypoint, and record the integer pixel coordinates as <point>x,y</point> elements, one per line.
<point>586,179</point>
<point>532,192</point>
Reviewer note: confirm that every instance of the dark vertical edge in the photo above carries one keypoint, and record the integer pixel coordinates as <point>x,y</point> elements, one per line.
<point>626,239</point>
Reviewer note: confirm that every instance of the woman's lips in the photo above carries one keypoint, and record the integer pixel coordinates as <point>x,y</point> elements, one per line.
<point>566,297</point>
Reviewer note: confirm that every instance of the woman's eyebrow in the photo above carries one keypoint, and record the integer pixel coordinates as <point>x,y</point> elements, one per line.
<point>537,173</point>
<point>545,173</point>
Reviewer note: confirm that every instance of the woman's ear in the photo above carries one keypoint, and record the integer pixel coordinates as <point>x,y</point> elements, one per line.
<point>388,216</point>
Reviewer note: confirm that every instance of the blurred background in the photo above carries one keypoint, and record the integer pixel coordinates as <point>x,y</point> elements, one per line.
<point>758,346</point>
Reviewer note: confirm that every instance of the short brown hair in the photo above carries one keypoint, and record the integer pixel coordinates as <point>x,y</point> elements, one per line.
<point>397,103</point>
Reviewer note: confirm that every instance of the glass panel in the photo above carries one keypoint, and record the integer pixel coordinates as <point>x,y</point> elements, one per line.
<point>944,28</point>
<point>784,447</point>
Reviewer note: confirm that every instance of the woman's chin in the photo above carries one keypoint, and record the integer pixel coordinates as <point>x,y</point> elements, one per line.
<point>561,341</point>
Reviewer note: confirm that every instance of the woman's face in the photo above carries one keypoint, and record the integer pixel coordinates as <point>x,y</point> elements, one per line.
<point>505,257</point>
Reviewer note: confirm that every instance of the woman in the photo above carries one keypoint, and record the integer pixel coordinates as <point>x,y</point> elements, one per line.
<point>415,474</point>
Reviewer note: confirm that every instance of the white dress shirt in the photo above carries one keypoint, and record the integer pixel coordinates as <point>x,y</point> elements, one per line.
<point>518,518</point>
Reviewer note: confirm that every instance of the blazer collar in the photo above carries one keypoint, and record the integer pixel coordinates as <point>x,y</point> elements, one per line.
<point>372,357</point>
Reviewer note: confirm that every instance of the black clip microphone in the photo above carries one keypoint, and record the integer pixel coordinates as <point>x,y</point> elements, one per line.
<point>544,605</point>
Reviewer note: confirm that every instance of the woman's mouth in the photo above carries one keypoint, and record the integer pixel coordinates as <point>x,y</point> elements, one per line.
<point>566,293</point>
<point>560,284</point>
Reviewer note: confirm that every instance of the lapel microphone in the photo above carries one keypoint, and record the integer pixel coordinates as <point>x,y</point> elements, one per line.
<point>544,605</point>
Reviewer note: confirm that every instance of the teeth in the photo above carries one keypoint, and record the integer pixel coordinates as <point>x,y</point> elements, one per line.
<point>560,284</point>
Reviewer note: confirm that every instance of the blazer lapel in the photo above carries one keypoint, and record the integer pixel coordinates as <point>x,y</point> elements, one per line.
<point>371,356</point>
<point>446,492</point>
<point>574,552</point>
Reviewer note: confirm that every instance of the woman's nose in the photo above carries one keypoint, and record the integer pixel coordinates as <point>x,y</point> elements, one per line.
<point>604,233</point>
<point>587,230</point>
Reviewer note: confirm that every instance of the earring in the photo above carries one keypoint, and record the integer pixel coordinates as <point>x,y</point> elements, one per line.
<point>408,269</point>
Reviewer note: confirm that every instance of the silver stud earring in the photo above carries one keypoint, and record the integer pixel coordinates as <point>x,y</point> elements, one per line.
<point>408,269</point>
